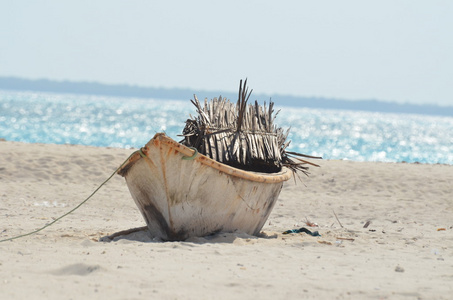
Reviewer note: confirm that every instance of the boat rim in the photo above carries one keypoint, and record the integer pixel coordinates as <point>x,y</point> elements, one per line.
<point>161,138</point>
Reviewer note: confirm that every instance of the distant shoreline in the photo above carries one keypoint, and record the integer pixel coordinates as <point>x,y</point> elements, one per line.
<point>93,88</point>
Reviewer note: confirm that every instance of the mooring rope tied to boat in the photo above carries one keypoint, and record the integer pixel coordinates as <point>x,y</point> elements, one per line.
<point>142,154</point>
<point>75,208</point>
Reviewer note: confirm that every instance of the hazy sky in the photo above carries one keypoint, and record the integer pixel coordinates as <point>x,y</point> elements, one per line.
<point>388,50</point>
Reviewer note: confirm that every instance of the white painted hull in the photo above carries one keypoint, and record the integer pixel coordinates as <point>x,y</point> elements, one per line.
<point>181,198</point>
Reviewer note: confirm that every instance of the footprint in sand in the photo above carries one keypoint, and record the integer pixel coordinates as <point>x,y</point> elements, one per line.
<point>77,269</point>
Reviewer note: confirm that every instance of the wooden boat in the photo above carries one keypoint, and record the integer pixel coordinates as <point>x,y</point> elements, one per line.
<point>183,194</point>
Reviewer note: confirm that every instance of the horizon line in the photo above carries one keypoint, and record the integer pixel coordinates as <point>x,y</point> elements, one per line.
<point>175,93</point>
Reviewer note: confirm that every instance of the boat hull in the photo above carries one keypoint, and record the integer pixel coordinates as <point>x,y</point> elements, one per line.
<point>183,194</point>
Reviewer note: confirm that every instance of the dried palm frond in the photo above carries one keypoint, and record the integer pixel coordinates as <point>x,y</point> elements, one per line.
<point>242,135</point>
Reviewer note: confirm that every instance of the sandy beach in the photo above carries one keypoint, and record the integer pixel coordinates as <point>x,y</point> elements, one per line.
<point>405,252</point>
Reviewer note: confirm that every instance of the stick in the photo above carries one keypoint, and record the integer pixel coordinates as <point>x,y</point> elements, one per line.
<point>337,219</point>
<point>126,232</point>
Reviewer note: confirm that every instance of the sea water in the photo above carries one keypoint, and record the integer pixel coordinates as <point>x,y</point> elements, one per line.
<point>131,122</point>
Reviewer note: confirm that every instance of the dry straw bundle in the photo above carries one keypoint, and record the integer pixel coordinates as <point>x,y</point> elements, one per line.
<point>241,135</point>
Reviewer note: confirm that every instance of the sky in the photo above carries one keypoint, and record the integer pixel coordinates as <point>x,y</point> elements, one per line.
<point>398,51</point>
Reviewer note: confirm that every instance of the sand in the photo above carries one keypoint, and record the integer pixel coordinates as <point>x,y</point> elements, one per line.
<point>406,252</point>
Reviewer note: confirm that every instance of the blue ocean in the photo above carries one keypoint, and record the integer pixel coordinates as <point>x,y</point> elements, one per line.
<point>131,122</point>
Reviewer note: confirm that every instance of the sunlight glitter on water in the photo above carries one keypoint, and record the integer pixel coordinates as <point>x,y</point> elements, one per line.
<point>131,122</point>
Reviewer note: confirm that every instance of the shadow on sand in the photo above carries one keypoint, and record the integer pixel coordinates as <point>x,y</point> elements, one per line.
<point>142,234</point>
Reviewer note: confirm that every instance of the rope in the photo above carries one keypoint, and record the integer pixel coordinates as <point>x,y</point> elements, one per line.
<point>72,210</point>
<point>193,155</point>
